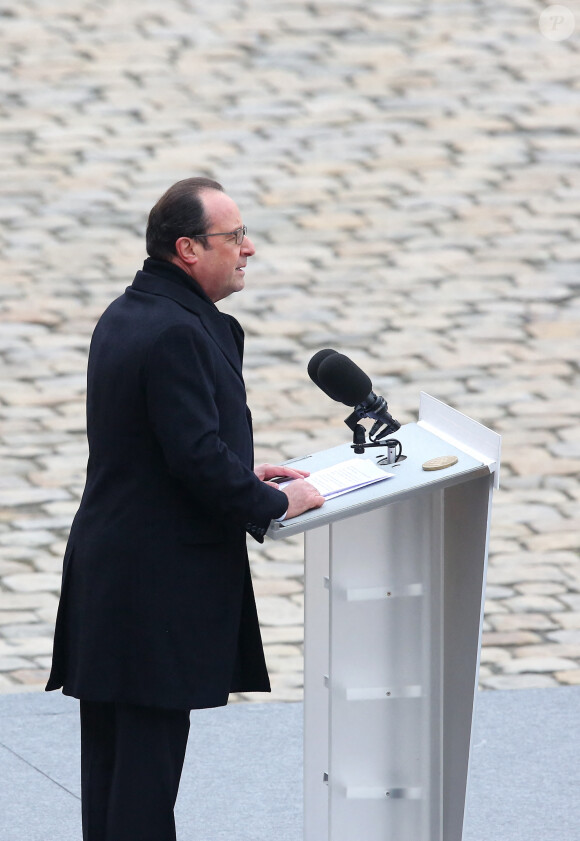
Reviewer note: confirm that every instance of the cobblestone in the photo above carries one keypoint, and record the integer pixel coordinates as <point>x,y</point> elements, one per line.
<point>409,178</point>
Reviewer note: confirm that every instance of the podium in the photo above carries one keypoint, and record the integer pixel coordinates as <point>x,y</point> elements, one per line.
<point>394,594</point>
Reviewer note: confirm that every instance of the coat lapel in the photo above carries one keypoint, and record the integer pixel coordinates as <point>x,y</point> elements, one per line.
<point>224,330</point>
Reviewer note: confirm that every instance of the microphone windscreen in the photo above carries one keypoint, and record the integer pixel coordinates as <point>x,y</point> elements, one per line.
<point>314,364</point>
<point>343,380</point>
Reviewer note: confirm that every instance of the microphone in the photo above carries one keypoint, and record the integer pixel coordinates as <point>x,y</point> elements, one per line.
<point>314,365</point>
<point>342,380</point>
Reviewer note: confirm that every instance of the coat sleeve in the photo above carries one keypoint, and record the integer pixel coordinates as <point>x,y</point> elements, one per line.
<point>186,403</point>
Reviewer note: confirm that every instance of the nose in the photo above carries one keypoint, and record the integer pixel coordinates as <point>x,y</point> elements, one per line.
<point>248,247</point>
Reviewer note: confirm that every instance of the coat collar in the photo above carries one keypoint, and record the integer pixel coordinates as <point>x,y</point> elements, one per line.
<point>159,277</point>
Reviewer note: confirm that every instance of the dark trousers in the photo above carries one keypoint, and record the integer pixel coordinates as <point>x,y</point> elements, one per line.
<point>131,762</point>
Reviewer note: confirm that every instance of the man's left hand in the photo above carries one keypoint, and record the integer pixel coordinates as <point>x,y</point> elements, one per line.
<point>271,471</point>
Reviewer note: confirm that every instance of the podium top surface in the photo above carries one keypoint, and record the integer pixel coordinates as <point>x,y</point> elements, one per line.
<point>419,445</point>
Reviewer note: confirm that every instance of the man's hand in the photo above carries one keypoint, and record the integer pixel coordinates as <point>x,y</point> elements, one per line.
<point>269,471</point>
<point>302,496</point>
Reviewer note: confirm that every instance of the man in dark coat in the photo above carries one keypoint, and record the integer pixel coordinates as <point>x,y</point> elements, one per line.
<point>157,613</point>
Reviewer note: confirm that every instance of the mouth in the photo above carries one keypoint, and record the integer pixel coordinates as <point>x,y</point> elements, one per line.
<point>240,269</point>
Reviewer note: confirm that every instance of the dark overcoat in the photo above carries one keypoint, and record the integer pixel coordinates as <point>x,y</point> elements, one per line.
<point>157,606</point>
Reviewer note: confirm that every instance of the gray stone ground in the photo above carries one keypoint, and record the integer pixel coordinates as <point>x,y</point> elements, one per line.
<point>409,175</point>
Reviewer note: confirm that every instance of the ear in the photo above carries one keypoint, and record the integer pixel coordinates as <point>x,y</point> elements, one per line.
<point>187,250</point>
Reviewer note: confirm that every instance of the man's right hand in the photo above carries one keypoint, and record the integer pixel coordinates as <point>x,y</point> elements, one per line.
<point>302,496</point>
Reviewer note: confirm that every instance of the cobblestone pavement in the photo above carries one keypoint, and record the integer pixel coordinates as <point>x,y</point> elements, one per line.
<point>409,174</point>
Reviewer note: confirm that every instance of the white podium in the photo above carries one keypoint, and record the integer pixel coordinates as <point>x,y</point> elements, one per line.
<point>394,592</point>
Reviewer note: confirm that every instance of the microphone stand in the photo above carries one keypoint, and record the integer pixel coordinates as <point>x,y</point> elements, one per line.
<point>359,442</point>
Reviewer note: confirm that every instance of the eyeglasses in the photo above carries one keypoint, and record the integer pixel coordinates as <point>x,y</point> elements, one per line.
<point>239,234</point>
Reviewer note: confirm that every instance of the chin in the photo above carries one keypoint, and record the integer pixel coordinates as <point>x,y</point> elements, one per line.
<point>234,287</point>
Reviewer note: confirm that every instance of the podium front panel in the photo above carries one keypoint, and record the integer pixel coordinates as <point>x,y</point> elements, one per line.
<point>394,595</point>
<point>385,613</point>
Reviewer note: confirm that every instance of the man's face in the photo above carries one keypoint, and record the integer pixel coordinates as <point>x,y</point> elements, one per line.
<point>219,268</point>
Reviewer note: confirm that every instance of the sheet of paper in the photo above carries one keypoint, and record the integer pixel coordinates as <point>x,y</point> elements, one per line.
<point>345,476</point>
